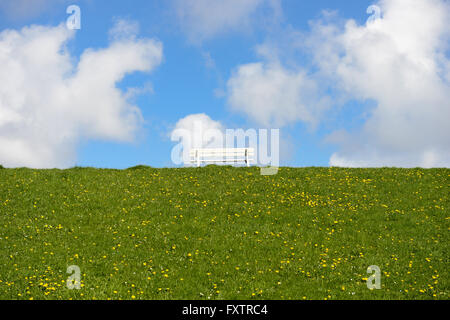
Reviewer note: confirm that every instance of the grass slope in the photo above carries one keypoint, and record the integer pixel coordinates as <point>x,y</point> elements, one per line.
<point>224,233</point>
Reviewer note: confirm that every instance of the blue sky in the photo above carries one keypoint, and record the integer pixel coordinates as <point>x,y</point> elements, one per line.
<point>200,56</point>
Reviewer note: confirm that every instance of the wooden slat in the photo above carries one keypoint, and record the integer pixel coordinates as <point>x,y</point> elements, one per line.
<point>221,160</point>
<point>215,152</point>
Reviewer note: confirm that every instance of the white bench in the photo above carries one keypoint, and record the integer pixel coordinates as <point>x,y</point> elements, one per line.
<point>227,155</point>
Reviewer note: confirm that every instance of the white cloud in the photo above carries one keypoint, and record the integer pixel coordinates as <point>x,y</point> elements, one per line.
<point>273,95</point>
<point>200,128</point>
<point>400,62</point>
<point>123,29</point>
<point>48,103</point>
<point>203,19</point>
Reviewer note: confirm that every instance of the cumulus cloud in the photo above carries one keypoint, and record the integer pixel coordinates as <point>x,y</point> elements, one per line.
<point>200,129</point>
<point>273,95</point>
<point>401,62</point>
<point>48,102</point>
<point>203,19</point>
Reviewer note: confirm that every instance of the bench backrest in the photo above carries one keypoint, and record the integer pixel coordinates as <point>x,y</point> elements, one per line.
<point>222,152</point>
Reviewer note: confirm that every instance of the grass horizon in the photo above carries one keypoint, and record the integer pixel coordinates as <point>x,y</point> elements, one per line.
<point>221,232</point>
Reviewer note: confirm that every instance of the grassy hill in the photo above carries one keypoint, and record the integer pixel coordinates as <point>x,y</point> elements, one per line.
<point>224,233</point>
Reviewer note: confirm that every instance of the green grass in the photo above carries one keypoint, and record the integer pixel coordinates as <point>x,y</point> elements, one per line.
<point>224,233</point>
